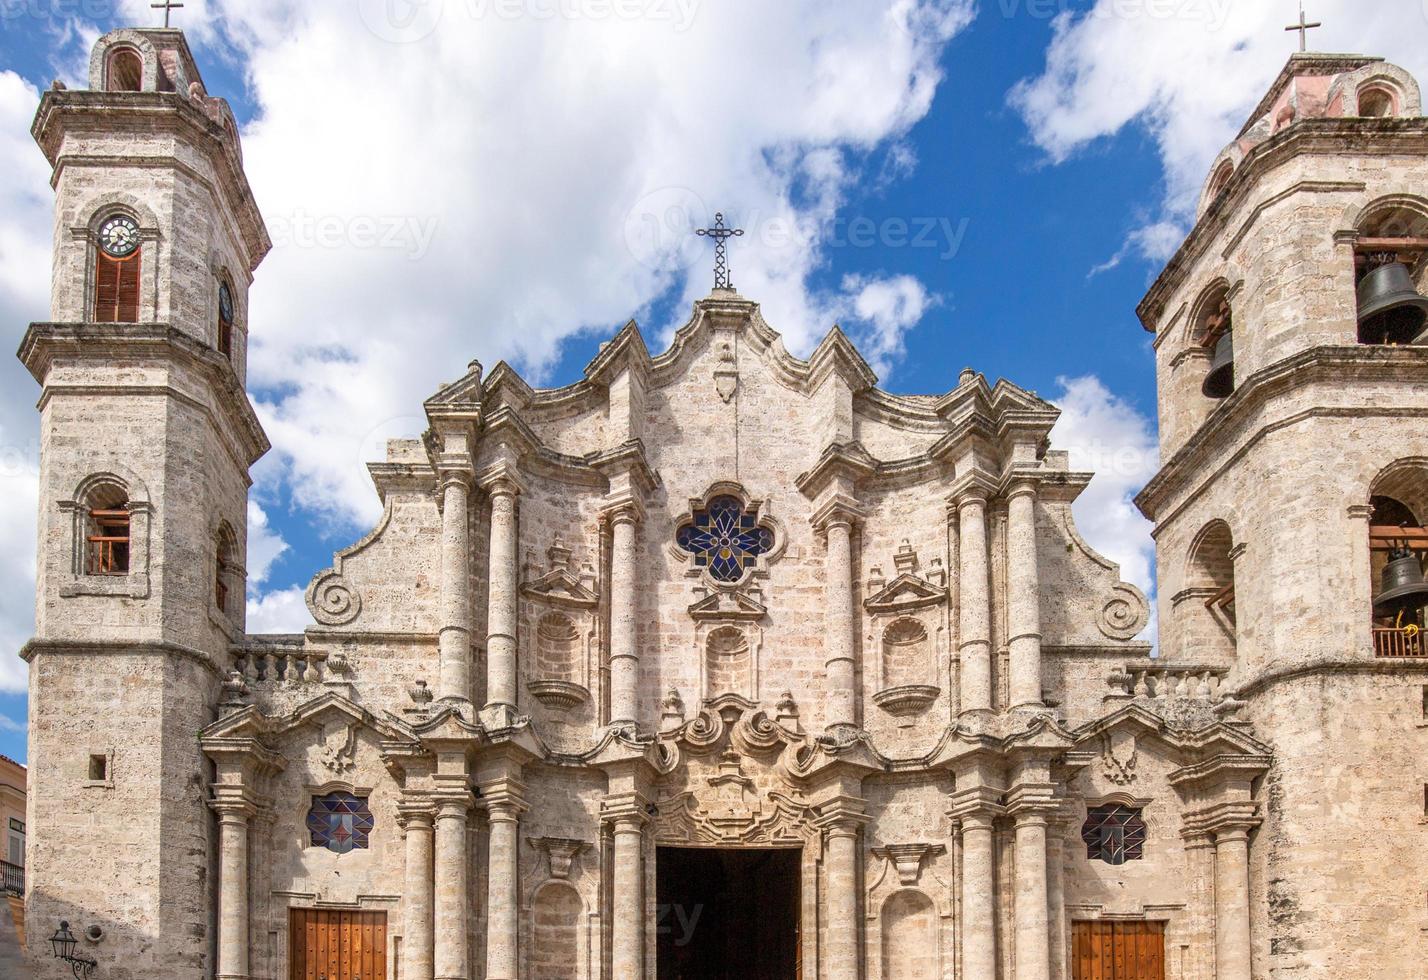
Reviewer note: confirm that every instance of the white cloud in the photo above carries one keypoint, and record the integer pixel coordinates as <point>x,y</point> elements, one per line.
<point>265,546</point>
<point>887,308</point>
<point>284,611</point>
<point>8,724</point>
<point>1190,72</point>
<point>1106,435</point>
<point>549,172</point>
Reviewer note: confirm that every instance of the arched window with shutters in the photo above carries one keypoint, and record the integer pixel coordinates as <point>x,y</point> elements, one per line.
<point>117,265</point>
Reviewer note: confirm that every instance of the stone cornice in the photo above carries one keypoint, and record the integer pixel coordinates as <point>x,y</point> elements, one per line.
<point>117,647</point>
<point>630,461</point>
<point>62,110</point>
<point>1339,365</point>
<point>848,462</point>
<point>44,342</point>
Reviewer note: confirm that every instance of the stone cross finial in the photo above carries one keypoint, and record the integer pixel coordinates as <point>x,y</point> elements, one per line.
<point>721,236</point>
<point>168,7</point>
<point>1303,27</point>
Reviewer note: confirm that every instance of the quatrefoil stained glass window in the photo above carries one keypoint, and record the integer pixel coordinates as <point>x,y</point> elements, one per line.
<point>725,539</point>
<point>339,822</point>
<point>1114,833</point>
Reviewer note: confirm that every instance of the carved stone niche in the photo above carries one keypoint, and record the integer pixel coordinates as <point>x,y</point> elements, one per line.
<point>908,629</point>
<point>560,628</point>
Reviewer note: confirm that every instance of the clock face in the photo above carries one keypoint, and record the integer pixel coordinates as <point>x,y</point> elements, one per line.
<point>225,302</point>
<point>119,236</point>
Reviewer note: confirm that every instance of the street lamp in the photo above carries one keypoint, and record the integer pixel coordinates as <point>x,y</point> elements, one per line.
<point>64,943</point>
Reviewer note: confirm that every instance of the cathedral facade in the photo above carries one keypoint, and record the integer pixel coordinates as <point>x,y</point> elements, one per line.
<point>720,662</point>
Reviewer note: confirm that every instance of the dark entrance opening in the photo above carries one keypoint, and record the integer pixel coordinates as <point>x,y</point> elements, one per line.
<point>727,914</point>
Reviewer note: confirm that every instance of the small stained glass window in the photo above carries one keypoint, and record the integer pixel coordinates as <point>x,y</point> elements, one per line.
<point>339,822</point>
<point>1114,833</point>
<point>725,539</point>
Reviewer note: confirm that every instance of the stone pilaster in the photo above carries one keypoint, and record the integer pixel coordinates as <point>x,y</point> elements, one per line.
<point>627,818</point>
<point>1232,911</point>
<point>841,821</point>
<point>450,890</point>
<point>1023,596</point>
<point>419,823</point>
<point>1200,902</point>
<point>503,586</point>
<point>503,811</point>
<point>454,638</point>
<point>624,626</point>
<point>974,814</point>
<point>1033,926</point>
<point>840,667</point>
<point>975,601</point>
<point>233,922</point>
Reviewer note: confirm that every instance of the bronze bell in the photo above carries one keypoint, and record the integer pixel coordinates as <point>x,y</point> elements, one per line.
<point>1390,310</point>
<point>1221,379</point>
<point>1404,588</point>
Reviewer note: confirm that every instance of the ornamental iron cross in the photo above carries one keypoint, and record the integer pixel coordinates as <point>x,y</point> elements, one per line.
<point>168,7</point>
<point>1303,27</point>
<point>721,235</point>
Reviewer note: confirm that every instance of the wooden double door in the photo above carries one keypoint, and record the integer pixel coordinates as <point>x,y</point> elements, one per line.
<point>1118,951</point>
<point>332,944</point>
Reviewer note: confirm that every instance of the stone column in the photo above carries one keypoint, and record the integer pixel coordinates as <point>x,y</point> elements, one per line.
<point>1232,925</point>
<point>454,638</point>
<point>417,894</point>
<point>233,937</point>
<point>1023,596</point>
<point>1056,885</point>
<point>1200,902</point>
<point>842,959</point>
<point>503,878</point>
<point>624,632</point>
<point>976,613</point>
<point>1033,931</point>
<point>839,666</point>
<point>979,924</point>
<point>450,891</point>
<point>502,588</point>
<point>627,933</point>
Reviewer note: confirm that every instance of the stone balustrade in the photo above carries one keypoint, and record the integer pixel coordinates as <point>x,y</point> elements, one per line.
<point>280,661</point>
<point>1164,681</point>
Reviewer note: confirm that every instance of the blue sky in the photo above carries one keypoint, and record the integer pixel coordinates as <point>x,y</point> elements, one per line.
<point>958,183</point>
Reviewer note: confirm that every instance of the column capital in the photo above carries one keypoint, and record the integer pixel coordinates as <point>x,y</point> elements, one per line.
<point>233,809</point>
<point>503,801</point>
<point>1223,821</point>
<point>978,807</point>
<point>502,480</point>
<point>623,509</point>
<point>627,811</point>
<point>454,476</point>
<point>973,489</point>
<point>837,510</point>
<point>450,808</point>
<point>841,816</point>
<point>1022,486</point>
<point>416,813</point>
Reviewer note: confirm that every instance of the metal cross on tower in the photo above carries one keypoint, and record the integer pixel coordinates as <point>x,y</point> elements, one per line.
<point>721,236</point>
<point>168,7</point>
<point>1303,27</point>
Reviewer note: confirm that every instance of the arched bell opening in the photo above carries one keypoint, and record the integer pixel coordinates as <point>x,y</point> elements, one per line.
<point>1211,627</point>
<point>1214,330</point>
<point>1390,270</point>
<point>1398,544</point>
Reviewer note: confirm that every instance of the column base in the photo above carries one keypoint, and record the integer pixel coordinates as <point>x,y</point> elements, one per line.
<point>498,715</point>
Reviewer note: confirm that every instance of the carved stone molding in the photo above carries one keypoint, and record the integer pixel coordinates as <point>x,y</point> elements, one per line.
<point>332,601</point>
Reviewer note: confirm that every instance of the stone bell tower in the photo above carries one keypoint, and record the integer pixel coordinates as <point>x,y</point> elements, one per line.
<point>147,437</point>
<point>1293,404</point>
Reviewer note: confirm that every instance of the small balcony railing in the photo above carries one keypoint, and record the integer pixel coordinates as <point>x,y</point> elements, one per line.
<point>12,879</point>
<point>1399,643</point>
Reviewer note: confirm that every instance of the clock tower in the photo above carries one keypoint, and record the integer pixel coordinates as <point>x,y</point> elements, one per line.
<point>147,436</point>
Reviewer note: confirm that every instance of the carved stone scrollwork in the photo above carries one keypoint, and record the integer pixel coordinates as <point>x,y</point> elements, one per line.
<point>1124,614</point>
<point>332,601</point>
<point>780,818</point>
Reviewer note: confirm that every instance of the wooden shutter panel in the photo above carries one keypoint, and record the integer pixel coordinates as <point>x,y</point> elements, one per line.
<point>106,293</point>
<point>129,289</point>
<point>116,289</point>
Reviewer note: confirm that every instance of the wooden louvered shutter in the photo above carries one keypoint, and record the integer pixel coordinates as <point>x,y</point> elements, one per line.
<point>116,289</point>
